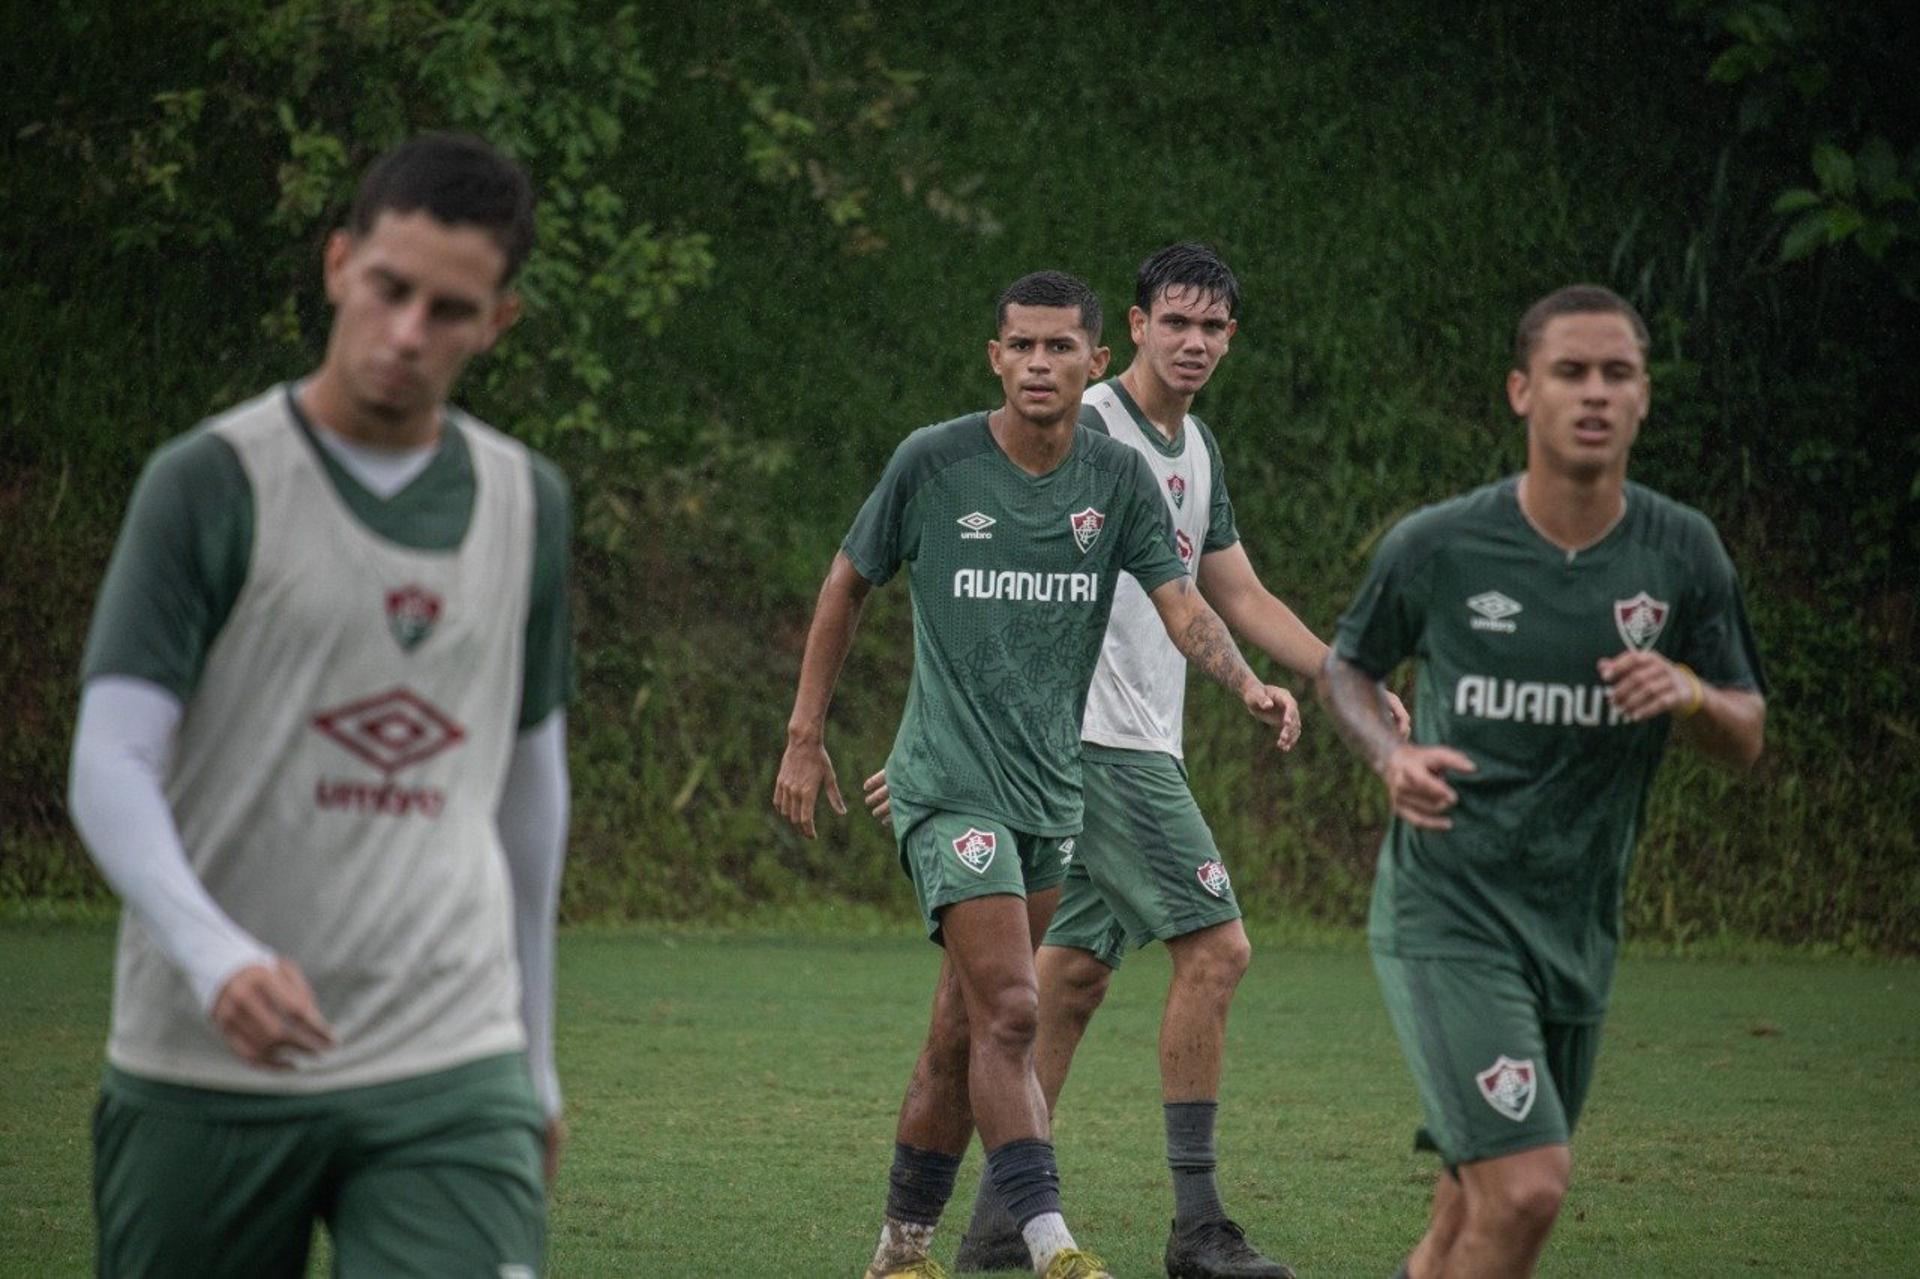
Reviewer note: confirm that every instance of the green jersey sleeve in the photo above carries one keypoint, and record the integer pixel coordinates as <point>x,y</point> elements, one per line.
<point>882,537</point>
<point>547,680</point>
<point>1221,530</point>
<point>177,567</point>
<point>1147,537</point>
<point>1719,645</point>
<point>1382,627</point>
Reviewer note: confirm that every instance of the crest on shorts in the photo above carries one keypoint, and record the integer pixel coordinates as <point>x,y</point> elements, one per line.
<point>1508,1086</point>
<point>1066,850</point>
<point>412,612</point>
<point>1213,878</point>
<point>1183,544</point>
<point>1086,526</point>
<point>975,850</point>
<point>1640,619</point>
<point>1177,490</point>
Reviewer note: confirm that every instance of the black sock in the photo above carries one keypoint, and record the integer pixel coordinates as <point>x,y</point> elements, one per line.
<point>1190,1156</point>
<point>920,1184</point>
<point>990,1216</point>
<point>1026,1178</point>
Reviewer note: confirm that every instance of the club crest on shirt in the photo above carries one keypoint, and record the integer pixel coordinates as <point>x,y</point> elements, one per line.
<point>1508,1086</point>
<point>1086,526</point>
<point>1183,544</point>
<point>975,850</point>
<point>1177,490</point>
<point>412,612</point>
<point>1640,619</point>
<point>1213,878</point>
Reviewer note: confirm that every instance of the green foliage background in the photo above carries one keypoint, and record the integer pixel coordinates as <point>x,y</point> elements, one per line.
<point>771,235</point>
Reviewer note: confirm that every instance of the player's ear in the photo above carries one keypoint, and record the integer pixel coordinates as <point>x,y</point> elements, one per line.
<point>1098,369</point>
<point>1519,392</point>
<point>333,263</point>
<point>1136,325</point>
<point>506,311</point>
<point>993,355</point>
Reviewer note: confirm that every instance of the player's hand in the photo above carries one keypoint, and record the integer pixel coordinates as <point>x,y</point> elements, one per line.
<point>803,770</point>
<point>1646,684</point>
<point>1417,785</point>
<point>1274,706</point>
<point>878,798</point>
<point>266,1011</point>
<point>550,1153</point>
<point>1397,714</point>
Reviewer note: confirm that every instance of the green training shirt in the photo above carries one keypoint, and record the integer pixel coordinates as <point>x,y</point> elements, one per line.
<point>1012,577</point>
<point>1508,629</point>
<point>185,546</point>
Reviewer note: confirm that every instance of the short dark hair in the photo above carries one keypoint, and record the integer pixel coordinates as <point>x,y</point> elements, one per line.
<point>1189,266</point>
<point>1052,288</point>
<point>1574,299</point>
<point>460,180</point>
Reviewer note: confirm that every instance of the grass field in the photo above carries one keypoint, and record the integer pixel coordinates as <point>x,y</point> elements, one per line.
<point>732,1101</point>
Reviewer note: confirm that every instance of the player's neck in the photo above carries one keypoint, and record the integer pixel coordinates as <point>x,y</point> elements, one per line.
<point>1572,512</point>
<point>328,405</point>
<point>1159,403</point>
<point>1034,447</point>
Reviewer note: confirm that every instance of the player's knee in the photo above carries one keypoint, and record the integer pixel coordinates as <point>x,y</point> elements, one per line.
<point>1082,986</point>
<point>1215,961</point>
<point>1527,1204</point>
<point>1011,1017</point>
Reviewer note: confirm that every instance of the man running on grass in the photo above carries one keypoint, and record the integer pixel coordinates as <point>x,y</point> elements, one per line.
<point>1015,526</point>
<point>1566,623</point>
<point>1145,866</point>
<point>321,757</point>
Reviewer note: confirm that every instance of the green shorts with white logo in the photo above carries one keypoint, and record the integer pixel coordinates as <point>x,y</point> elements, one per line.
<point>436,1175</point>
<point>1495,1078</point>
<point>1145,867</point>
<point>954,857</point>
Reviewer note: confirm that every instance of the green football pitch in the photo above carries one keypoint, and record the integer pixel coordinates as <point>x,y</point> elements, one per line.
<point>732,1102</point>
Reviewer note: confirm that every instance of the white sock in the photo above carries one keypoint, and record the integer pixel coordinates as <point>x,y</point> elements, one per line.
<point>1046,1235</point>
<point>901,1244</point>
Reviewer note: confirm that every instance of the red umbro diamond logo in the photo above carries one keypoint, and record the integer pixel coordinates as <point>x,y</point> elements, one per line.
<point>391,731</point>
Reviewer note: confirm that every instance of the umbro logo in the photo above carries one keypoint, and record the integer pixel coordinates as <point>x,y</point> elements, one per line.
<point>976,525</point>
<point>1495,611</point>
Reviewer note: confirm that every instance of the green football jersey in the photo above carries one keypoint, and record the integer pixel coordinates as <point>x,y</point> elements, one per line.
<point>1012,577</point>
<point>1508,630</point>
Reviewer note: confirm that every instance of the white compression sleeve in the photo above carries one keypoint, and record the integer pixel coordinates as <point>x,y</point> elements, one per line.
<point>116,795</point>
<point>533,831</point>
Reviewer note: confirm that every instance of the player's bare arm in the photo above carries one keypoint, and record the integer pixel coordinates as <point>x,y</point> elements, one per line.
<point>1728,725</point>
<point>805,766</point>
<point>1415,775</point>
<point>1234,589</point>
<point>1197,631</point>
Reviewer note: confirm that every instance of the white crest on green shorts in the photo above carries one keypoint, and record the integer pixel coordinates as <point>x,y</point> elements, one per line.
<point>1066,851</point>
<point>975,850</point>
<point>1508,1086</point>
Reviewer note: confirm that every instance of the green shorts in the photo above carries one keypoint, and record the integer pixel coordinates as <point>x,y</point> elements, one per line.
<point>1495,1077</point>
<point>954,857</point>
<point>437,1175</point>
<point>1145,867</point>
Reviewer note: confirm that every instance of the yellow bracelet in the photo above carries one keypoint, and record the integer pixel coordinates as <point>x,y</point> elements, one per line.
<point>1699,699</point>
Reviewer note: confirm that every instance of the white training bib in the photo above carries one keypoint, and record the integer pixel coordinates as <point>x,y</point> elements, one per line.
<point>1139,690</point>
<point>337,772</point>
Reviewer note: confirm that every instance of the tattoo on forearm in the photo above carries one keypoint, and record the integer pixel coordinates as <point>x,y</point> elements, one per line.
<point>1208,645</point>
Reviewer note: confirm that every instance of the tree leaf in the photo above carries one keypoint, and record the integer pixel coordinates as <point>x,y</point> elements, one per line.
<point>1834,168</point>
<point>1795,200</point>
<point>1806,235</point>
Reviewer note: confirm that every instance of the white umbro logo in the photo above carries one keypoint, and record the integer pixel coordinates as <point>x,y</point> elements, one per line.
<point>976,526</point>
<point>1494,610</point>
